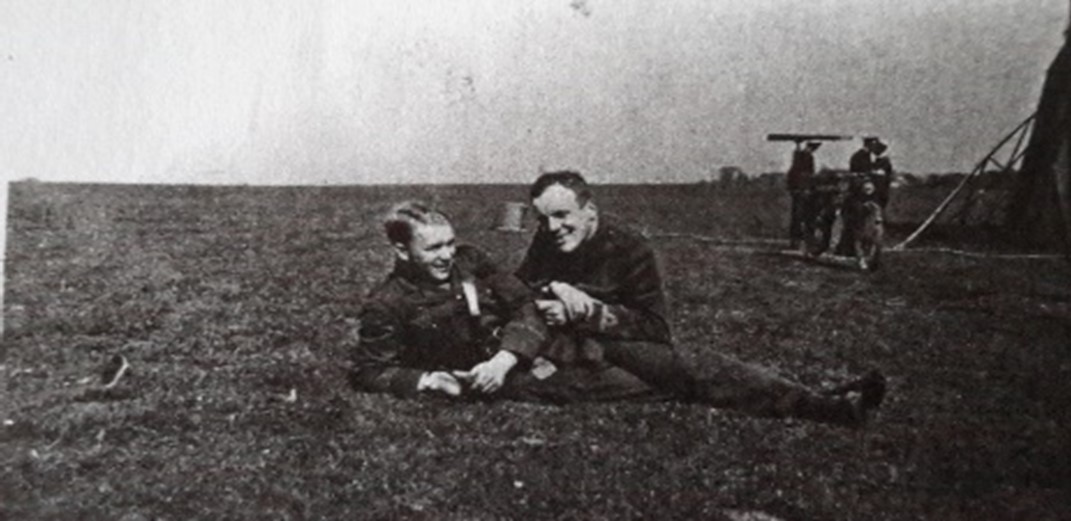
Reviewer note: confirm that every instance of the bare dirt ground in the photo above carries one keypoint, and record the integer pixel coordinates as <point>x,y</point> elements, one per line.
<point>229,304</point>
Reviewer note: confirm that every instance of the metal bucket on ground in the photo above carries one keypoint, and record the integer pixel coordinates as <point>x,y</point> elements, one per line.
<point>512,217</point>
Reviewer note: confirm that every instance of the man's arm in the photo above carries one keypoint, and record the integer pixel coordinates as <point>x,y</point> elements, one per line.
<point>376,361</point>
<point>524,332</point>
<point>860,162</point>
<point>635,309</point>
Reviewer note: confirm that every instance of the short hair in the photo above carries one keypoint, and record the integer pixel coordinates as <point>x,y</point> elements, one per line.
<point>407,215</point>
<point>566,178</point>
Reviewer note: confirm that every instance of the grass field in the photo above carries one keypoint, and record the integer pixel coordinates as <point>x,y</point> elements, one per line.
<point>230,302</point>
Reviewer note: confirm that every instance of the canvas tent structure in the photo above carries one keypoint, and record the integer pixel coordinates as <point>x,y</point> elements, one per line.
<point>1039,211</point>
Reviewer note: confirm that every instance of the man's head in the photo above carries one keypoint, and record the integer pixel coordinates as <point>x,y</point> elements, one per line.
<point>566,209</point>
<point>874,145</point>
<point>422,237</point>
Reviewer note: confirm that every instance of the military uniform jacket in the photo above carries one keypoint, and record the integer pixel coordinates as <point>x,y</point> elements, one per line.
<point>410,325</point>
<point>861,162</point>
<point>801,170</point>
<point>617,267</point>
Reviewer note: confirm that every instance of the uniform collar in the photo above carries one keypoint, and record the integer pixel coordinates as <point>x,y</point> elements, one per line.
<point>597,242</point>
<point>415,278</point>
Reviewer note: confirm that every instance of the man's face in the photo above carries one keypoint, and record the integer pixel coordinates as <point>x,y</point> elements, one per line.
<point>431,250</point>
<point>567,221</point>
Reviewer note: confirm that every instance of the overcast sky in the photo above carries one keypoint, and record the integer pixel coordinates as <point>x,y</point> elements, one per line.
<point>325,91</point>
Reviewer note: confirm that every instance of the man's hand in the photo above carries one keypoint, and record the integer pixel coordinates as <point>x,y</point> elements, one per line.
<point>579,306</point>
<point>553,312</point>
<point>488,377</point>
<point>439,381</point>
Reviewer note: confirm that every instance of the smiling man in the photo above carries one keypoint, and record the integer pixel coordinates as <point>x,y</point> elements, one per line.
<point>445,320</point>
<point>603,301</point>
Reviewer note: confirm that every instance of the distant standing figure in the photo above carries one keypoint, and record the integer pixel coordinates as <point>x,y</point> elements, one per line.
<point>862,163</point>
<point>883,172</point>
<point>799,177</point>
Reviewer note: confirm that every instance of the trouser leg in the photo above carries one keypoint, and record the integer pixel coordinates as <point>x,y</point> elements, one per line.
<point>726,382</point>
<point>652,370</point>
<point>583,383</point>
<point>657,364</point>
<point>716,380</point>
<point>795,225</point>
<point>846,244</point>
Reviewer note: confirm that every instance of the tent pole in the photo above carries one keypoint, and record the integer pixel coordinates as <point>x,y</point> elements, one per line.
<point>977,169</point>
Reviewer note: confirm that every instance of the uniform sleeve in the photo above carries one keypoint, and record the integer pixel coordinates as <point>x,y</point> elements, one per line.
<point>531,270</point>
<point>639,311</point>
<point>524,333</point>
<point>860,162</point>
<point>795,171</point>
<point>884,164</point>
<point>376,357</point>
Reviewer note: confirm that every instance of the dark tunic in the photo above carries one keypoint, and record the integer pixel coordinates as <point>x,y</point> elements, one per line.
<point>860,162</point>
<point>616,267</point>
<point>801,170</point>
<point>410,325</point>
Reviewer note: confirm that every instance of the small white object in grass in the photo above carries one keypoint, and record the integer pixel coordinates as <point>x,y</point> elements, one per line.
<point>292,397</point>
<point>749,515</point>
<point>9,422</point>
<point>533,441</point>
<point>114,370</point>
<point>518,484</point>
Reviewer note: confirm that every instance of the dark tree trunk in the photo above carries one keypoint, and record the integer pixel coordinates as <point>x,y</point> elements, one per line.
<point>1040,210</point>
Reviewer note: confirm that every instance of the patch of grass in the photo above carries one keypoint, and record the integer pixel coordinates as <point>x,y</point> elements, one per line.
<point>232,305</point>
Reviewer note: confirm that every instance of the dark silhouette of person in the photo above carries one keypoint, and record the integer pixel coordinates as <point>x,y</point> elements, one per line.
<point>863,165</point>
<point>799,180</point>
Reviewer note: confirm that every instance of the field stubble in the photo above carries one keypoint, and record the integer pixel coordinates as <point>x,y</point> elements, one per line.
<point>230,302</point>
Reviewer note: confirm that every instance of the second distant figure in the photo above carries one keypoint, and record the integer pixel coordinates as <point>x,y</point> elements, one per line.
<point>799,176</point>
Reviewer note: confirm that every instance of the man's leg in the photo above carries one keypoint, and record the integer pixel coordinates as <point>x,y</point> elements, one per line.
<point>658,364</point>
<point>795,225</point>
<point>580,383</point>
<point>846,243</point>
<point>726,382</point>
<point>884,186</point>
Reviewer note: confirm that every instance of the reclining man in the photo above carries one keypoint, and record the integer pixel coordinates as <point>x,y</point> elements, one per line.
<point>446,321</point>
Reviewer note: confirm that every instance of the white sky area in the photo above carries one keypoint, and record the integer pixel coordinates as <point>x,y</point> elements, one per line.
<point>325,91</point>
